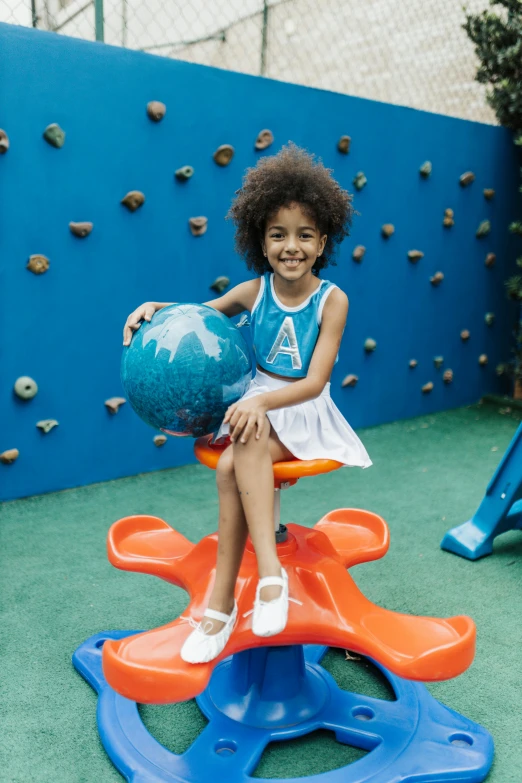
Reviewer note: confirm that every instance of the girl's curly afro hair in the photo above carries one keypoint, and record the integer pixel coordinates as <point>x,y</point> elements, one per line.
<point>278,181</point>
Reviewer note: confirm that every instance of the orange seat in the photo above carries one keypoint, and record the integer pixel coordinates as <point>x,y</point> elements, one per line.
<point>287,473</point>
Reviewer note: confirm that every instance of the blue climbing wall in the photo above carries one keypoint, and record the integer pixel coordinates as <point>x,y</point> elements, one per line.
<point>63,328</point>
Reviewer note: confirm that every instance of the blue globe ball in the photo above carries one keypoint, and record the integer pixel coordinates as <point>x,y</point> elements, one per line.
<point>184,368</point>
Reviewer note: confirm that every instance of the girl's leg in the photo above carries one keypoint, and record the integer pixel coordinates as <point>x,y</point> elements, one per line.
<point>233,529</point>
<point>232,535</point>
<point>204,644</point>
<point>255,482</point>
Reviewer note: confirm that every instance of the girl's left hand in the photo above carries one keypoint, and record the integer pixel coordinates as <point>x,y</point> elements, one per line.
<point>244,416</point>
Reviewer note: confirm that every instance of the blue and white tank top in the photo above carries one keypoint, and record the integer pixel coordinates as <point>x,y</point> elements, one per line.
<point>284,337</point>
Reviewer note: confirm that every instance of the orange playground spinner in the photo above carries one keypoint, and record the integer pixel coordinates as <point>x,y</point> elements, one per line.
<point>147,667</point>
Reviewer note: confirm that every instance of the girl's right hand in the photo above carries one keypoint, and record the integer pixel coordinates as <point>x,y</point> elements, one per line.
<point>142,313</point>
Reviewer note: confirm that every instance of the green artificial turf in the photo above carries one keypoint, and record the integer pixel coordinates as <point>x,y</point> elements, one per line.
<point>57,587</point>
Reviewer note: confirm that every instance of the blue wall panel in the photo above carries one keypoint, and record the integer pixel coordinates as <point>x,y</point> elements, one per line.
<point>63,328</point>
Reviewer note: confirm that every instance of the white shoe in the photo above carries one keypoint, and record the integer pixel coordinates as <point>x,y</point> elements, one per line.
<point>270,617</point>
<point>201,647</point>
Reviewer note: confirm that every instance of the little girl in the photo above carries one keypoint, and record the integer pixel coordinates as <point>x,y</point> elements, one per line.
<point>289,215</point>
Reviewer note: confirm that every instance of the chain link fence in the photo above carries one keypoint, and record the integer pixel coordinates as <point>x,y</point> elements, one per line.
<point>407,52</point>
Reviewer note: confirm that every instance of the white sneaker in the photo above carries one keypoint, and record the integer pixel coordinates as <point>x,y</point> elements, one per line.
<point>201,647</point>
<point>270,617</point>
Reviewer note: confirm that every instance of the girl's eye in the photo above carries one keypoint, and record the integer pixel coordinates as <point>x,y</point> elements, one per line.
<point>276,236</point>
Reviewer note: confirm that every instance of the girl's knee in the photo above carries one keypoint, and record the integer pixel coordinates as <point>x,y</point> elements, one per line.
<point>253,441</point>
<point>225,467</point>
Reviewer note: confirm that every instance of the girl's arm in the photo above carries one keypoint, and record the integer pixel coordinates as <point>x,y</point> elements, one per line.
<point>333,322</point>
<point>240,298</point>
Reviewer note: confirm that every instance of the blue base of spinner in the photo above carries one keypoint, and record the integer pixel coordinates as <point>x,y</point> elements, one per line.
<point>279,693</point>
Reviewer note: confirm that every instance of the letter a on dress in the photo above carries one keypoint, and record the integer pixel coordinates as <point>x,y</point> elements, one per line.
<point>286,332</point>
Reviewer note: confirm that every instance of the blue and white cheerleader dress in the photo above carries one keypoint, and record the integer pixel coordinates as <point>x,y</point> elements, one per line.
<point>284,339</point>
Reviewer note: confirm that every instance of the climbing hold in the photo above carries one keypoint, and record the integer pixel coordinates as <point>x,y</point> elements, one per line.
<point>350,380</point>
<point>425,169</point>
<point>489,193</point>
<point>114,403</point>
<point>467,178</point>
<point>387,230</point>
<point>489,318</point>
<point>464,335</point>
<point>490,260</point>
<point>359,181</point>
<point>448,218</point>
<point>160,440</point>
<point>156,110</point>
<point>438,361</point>
<point>224,154</point>
<point>46,425</point>
<point>38,264</point>
<point>80,229</point>
<point>358,253</point>
<point>415,255</point>
<point>427,387</point>
<point>9,456</point>
<point>448,376</point>
<point>25,388</point>
<point>54,135</point>
<point>343,145</point>
<point>483,359</point>
<point>264,139</point>
<point>437,278</point>
<point>413,363</point>
<point>370,345</point>
<point>4,142</point>
<point>133,200</point>
<point>483,229</point>
<point>220,283</point>
<point>198,225</point>
<point>184,173</point>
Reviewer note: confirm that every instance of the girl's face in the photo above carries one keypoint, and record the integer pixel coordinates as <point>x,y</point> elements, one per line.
<point>292,242</point>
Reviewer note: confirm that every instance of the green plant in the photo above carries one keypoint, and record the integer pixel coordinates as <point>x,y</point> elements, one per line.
<point>498,45</point>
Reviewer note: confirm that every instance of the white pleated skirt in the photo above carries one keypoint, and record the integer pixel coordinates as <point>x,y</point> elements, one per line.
<point>315,429</point>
